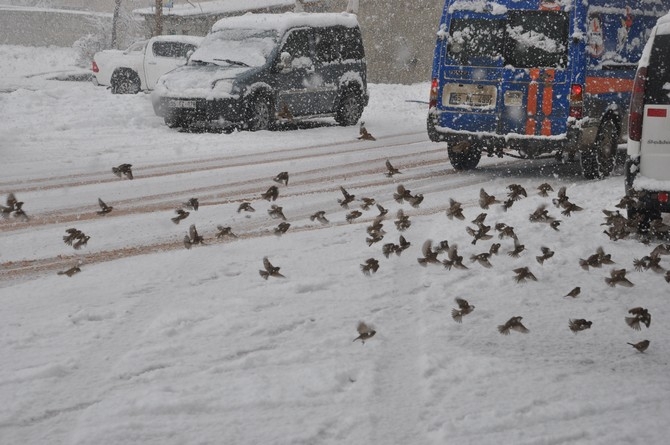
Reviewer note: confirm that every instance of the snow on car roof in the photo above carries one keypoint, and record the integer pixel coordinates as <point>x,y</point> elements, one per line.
<point>282,22</point>
<point>180,38</point>
<point>663,24</point>
<point>217,7</point>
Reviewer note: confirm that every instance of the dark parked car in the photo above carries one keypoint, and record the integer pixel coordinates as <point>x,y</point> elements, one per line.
<point>648,162</point>
<point>254,69</point>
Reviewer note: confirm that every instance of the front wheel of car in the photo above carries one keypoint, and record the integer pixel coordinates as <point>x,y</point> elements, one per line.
<point>125,82</point>
<point>260,113</point>
<point>349,109</point>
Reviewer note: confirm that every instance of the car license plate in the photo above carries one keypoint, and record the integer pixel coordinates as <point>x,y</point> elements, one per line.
<point>176,103</point>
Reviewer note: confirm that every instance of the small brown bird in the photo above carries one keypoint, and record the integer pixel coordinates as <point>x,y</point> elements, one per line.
<point>245,207</point>
<point>282,177</point>
<point>628,200</point>
<point>480,219</point>
<point>81,242</point>
<point>513,324</point>
<point>561,197</point>
<point>455,210</point>
<point>518,248</point>
<point>382,211</point>
<point>270,270</point>
<point>486,200</point>
<point>391,170</point>
<point>72,235</point>
<point>403,244</point>
<point>5,211</point>
<point>464,308</point>
<point>104,208</point>
<point>596,260</point>
<point>544,189</point>
<point>365,332</point>
<point>455,260</point>
<point>374,238</point>
<point>415,200</point>
<point>569,207</point>
<point>579,324</point>
<point>192,204</point>
<point>482,259</point>
<point>618,276</point>
<point>276,212</point>
<point>429,255</point>
<point>641,346</point>
<point>123,169</point>
<point>319,216</point>
<point>480,234</point>
<point>282,228</point>
<point>574,292</point>
<point>371,265</point>
<point>377,226</point>
<point>348,197</point>
<point>389,248</point>
<point>667,276</point>
<point>493,250</point>
<point>271,194</point>
<point>364,134</point>
<point>661,249</point>
<point>351,216</point>
<point>71,271</point>
<point>647,262</point>
<point>367,203</point>
<point>402,194</point>
<point>192,238</point>
<point>640,315</point>
<point>546,254</point>
<point>181,214</point>
<point>541,214</point>
<point>505,231</point>
<point>516,191</point>
<point>507,204</point>
<point>224,232</point>
<point>523,274</point>
<point>402,222</point>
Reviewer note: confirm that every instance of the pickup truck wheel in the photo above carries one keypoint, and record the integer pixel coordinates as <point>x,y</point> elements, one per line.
<point>598,161</point>
<point>349,109</point>
<point>464,159</point>
<point>125,82</point>
<point>260,113</point>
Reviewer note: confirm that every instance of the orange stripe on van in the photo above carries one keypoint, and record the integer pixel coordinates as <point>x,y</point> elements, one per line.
<point>547,101</point>
<point>602,85</point>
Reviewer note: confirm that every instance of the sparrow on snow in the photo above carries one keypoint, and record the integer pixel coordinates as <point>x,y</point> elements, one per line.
<point>347,198</point>
<point>271,193</point>
<point>282,177</point>
<point>365,332</point>
<point>181,214</point>
<point>464,308</point>
<point>104,208</point>
<point>391,170</point>
<point>640,315</point>
<point>579,324</point>
<point>123,169</point>
<point>513,324</point>
<point>641,346</point>
<point>270,270</point>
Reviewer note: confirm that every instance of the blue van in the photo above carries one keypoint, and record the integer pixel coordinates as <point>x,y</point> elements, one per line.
<point>537,78</point>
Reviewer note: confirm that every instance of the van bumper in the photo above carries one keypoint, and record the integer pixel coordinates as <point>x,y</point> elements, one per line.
<point>226,110</point>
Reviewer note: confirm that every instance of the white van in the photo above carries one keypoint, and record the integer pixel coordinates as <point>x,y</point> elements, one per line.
<point>648,163</point>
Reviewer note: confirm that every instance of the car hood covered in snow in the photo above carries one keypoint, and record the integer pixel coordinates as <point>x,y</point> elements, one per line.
<point>194,81</point>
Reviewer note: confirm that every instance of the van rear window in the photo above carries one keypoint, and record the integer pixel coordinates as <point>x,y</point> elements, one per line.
<point>657,91</point>
<point>524,39</point>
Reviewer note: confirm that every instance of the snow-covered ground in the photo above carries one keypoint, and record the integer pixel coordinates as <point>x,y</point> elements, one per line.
<point>152,343</point>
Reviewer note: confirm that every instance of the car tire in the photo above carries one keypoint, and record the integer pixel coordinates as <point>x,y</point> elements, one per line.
<point>350,108</point>
<point>467,159</point>
<point>599,160</point>
<point>125,82</point>
<point>260,113</point>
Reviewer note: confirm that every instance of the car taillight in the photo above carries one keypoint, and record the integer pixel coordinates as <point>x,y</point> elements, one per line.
<point>663,197</point>
<point>637,105</point>
<point>432,102</point>
<point>94,67</point>
<point>576,101</point>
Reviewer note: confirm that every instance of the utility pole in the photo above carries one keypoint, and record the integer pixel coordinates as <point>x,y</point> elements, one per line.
<point>158,30</point>
<point>115,24</point>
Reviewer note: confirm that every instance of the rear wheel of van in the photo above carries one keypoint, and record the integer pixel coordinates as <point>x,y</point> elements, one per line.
<point>350,108</point>
<point>260,113</point>
<point>466,159</point>
<point>598,161</point>
<point>125,82</point>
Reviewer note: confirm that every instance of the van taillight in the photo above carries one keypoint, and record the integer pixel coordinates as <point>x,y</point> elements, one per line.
<point>637,105</point>
<point>432,102</point>
<point>576,101</point>
<point>663,197</point>
<point>94,67</point>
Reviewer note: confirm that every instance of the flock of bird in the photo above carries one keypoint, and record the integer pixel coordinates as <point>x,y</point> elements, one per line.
<point>619,227</point>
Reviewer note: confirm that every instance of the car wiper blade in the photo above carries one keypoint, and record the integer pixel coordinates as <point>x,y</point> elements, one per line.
<point>232,62</point>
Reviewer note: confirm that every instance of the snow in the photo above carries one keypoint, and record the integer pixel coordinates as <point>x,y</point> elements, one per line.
<point>218,7</point>
<point>155,344</point>
<point>285,21</point>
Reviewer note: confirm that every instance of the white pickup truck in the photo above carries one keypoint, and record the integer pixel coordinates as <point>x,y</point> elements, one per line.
<point>139,67</point>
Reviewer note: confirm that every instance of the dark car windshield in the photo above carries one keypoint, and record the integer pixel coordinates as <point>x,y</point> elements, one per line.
<point>657,89</point>
<point>524,39</point>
